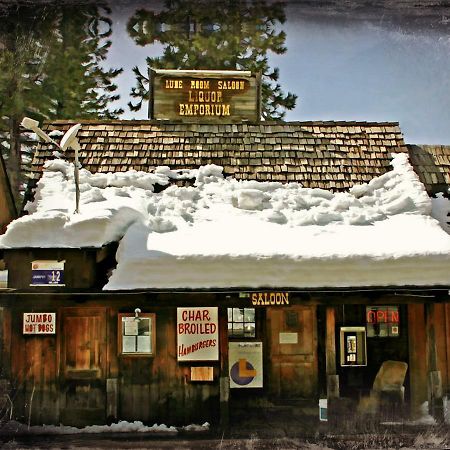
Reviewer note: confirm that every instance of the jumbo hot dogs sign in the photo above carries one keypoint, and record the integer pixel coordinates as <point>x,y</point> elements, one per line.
<point>198,334</point>
<point>39,323</point>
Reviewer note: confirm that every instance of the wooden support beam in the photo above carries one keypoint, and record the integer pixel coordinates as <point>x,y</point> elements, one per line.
<point>5,343</point>
<point>112,399</point>
<point>417,362</point>
<point>330,355</point>
<point>224,380</point>
<point>435,391</point>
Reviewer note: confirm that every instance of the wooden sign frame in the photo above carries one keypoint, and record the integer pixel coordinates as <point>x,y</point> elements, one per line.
<point>205,96</point>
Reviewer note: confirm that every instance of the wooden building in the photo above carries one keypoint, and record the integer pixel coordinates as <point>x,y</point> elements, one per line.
<point>93,364</point>
<point>179,346</point>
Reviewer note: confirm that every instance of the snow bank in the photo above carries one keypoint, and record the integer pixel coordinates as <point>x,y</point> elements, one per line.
<point>224,233</point>
<point>228,233</point>
<point>424,417</point>
<point>109,204</point>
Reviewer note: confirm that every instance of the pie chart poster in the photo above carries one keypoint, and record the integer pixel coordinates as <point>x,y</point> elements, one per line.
<point>246,364</point>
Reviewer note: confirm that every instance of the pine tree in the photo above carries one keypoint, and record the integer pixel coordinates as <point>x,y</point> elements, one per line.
<point>22,57</point>
<point>230,34</point>
<point>51,60</point>
<point>77,83</point>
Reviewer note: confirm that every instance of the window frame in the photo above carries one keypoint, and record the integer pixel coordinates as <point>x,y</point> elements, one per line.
<point>243,336</point>
<point>120,334</point>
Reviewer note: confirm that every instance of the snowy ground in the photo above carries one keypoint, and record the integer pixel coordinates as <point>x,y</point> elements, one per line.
<point>423,440</point>
<point>258,432</point>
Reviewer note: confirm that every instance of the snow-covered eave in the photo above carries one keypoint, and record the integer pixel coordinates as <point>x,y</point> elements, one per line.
<point>56,249</point>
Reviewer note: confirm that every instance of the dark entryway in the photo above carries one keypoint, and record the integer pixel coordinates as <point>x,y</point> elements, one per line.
<point>386,339</point>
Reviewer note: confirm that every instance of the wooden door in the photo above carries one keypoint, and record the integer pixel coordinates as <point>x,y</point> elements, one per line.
<point>292,352</point>
<point>83,365</point>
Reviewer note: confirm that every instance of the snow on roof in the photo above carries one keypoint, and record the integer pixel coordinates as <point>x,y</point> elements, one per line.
<point>224,233</point>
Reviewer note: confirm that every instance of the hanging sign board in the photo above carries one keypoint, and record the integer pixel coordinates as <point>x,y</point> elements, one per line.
<point>198,334</point>
<point>202,373</point>
<point>204,96</point>
<point>288,338</point>
<point>246,364</point>
<point>47,273</point>
<point>39,323</point>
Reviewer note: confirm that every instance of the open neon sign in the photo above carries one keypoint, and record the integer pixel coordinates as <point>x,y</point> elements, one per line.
<point>382,321</point>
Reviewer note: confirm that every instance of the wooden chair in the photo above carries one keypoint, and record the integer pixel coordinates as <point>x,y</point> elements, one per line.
<point>387,391</point>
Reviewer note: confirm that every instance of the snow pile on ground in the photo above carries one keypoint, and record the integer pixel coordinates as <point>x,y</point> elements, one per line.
<point>228,233</point>
<point>425,418</point>
<point>195,427</point>
<point>120,427</point>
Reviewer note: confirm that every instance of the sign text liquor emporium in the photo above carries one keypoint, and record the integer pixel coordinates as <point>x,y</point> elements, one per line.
<point>205,96</point>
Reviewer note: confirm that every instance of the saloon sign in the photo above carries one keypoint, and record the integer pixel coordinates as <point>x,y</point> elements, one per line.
<point>205,96</point>
<point>270,298</point>
<point>198,334</point>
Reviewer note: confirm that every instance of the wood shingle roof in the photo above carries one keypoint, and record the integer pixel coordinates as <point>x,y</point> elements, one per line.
<point>432,164</point>
<point>328,155</point>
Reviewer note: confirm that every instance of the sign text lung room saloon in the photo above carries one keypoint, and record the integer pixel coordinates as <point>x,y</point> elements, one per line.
<point>205,97</point>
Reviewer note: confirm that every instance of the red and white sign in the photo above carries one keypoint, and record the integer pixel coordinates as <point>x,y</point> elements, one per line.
<point>198,334</point>
<point>39,323</point>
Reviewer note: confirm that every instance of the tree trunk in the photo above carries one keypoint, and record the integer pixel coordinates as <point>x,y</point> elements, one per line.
<point>13,164</point>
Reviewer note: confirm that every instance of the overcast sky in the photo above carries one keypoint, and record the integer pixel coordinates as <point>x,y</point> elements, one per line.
<point>341,69</point>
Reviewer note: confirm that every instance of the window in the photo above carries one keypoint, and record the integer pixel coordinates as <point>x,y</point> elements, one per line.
<point>136,334</point>
<point>241,322</point>
<point>382,321</point>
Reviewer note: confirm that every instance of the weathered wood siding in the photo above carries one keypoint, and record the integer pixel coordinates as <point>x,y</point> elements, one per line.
<point>5,369</point>
<point>64,377</point>
<point>442,336</point>
<point>76,376</point>
<point>158,388</point>
<point>34,375</point>
<point>79,270</point>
